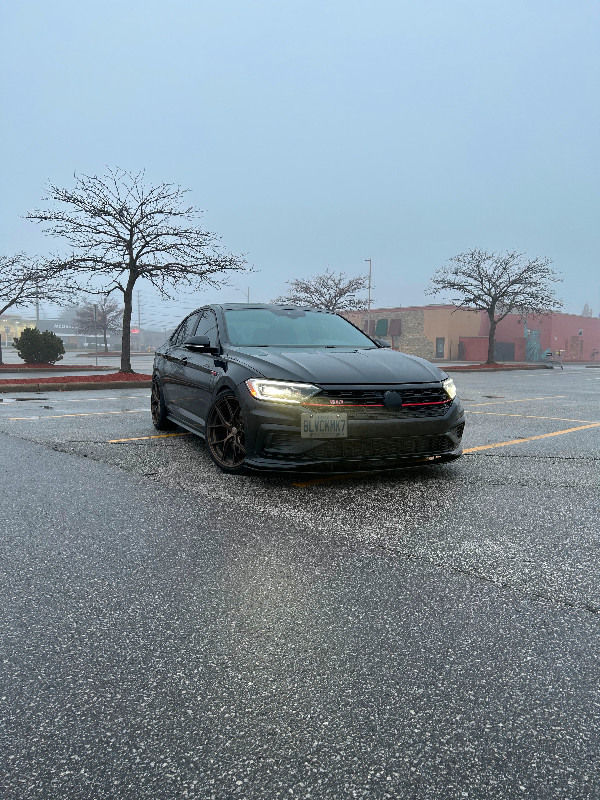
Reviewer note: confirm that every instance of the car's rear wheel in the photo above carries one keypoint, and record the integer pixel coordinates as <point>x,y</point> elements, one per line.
<point>158,408</point>
<point>225,433</point>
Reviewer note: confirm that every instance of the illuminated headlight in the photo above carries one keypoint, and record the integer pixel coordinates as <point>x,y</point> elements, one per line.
<point>281,391</point>
<point>449,388</point>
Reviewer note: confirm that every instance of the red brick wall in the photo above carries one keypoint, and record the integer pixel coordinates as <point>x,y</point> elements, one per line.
<point>557,332</point>
<point>474,348</point>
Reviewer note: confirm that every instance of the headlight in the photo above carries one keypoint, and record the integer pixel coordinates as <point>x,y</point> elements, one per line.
<point>449,388</point>
<point>281,391</point>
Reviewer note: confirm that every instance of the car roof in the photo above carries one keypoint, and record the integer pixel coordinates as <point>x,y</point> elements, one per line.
<point>237,306</point>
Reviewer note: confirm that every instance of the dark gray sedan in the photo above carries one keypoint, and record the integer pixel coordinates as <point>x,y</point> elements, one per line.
<point>289,388</point>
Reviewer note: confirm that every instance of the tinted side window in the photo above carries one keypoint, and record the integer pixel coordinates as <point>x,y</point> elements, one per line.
<point>207,326</point>
<point>185,329</point>
<point>175,335</point>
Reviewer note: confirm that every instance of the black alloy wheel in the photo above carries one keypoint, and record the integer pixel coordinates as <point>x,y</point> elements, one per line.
<point>158,408</point>
<point>225,433</point>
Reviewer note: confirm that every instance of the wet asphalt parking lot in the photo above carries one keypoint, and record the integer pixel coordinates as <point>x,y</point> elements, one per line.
<point>169,631</point>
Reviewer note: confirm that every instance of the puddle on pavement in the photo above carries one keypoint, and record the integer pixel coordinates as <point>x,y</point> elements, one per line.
<point>20,399</point>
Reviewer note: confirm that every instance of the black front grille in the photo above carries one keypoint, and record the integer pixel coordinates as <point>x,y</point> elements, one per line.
<point>417,401</point>
<point>289,446</point>
<point>398,447</point>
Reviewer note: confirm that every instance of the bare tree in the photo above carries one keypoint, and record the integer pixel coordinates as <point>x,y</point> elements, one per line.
<point>327,290</point>
<point>121,231</point>
<point>23,282</point>
<point>105,317</point>
<point>499,284</point>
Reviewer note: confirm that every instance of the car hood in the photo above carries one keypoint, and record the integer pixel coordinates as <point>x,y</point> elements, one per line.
<point>339,366</point>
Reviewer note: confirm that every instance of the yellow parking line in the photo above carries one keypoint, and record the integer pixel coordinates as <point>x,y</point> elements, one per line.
<point>524,400</point>
<point>139,438</point>
<point>90,414</point>
<point>527,416</point>
<point>528,438</point>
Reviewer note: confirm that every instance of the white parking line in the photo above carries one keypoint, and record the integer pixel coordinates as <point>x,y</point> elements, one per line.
<point>89,414</point>
<point>71,399</point>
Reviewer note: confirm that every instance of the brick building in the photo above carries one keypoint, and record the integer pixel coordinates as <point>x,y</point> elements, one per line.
<point>446,332</point>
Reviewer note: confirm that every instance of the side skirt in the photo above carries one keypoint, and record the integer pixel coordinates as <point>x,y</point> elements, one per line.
<point>186,425</point>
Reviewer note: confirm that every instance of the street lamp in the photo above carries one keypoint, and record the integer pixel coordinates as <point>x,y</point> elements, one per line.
<point>369,301</point>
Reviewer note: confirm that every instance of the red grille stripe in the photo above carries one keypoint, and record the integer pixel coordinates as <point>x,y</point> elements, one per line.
<point>344,405</point>
<point>371,405</point>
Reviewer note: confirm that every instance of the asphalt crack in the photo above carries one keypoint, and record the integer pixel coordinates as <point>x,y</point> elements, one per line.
<point>532,595</point>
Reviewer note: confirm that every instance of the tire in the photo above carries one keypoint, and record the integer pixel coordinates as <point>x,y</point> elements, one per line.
<point>225,438</point>
<point>158,408</point>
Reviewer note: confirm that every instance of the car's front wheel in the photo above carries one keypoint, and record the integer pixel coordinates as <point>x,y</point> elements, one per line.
<point>158,408</point>
<point>225,433</point>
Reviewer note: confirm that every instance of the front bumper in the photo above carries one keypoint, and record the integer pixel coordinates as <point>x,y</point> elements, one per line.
<point>274,441</point>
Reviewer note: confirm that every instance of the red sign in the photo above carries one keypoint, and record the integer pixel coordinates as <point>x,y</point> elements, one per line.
<point>135,330</point>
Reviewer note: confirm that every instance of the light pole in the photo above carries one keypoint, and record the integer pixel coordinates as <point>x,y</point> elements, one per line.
<point>369,301</point>
<point>96,330</point>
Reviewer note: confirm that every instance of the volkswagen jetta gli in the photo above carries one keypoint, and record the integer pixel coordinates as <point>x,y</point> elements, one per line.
<point>291,388</point>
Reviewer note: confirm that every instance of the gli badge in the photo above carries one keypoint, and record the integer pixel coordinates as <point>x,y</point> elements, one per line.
<point>336,402</point>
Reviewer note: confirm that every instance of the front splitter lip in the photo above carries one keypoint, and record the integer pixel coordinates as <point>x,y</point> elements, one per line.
<point>350,465</point>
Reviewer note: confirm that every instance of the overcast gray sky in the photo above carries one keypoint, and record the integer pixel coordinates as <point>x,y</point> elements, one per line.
<point>319,133</point>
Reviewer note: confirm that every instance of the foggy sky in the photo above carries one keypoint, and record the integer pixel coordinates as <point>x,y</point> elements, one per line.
<point>318,134</point>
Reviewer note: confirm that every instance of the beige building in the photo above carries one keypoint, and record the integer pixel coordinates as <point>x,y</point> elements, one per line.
<point>11,326</point>
<point>452,333</point>
<point>427,331</point>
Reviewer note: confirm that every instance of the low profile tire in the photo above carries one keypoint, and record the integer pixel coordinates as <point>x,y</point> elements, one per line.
<point>158,408</point>
<point>225,438</point>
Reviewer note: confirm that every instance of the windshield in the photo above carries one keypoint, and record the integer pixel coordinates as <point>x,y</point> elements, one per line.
<point>291,327</point>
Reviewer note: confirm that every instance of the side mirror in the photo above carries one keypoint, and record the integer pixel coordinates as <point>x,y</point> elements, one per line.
<point>382,343</point>
<point>200,344</point>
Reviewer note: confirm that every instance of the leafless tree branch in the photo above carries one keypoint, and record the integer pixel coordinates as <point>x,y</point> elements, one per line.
<point>499,284</point>
<point>335,292</point>
<point>105,318</point>
<point>121,230</point>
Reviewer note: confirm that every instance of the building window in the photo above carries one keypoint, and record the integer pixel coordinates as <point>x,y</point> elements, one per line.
<point>440,344</point>
<point>395,328</point>
<point>381,328</point>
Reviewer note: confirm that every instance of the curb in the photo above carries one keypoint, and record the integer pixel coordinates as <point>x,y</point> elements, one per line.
<point>74,386</point>
<point>492,369</point>
<point>66,368</point>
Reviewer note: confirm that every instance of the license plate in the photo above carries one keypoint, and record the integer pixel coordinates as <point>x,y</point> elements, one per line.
<point>324,426</point>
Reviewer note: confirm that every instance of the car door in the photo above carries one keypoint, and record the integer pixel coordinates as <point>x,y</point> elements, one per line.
<point>199,371</point>
<point>175,357</point>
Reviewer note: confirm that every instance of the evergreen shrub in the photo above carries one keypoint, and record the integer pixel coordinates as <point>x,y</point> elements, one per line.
<point>39,347</point>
